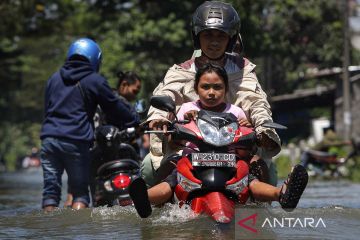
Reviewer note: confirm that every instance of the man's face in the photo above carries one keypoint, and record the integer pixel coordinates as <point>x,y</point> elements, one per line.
<point>129,91</point>
<point>213,43</point>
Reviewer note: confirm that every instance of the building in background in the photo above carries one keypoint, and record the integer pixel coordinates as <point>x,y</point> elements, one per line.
<point>294,109</point>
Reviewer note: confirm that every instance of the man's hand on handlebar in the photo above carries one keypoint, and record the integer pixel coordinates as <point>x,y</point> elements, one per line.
<point>244,122</point>
<point>159,125</point>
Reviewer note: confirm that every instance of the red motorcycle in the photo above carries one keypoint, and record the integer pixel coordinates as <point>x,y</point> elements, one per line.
<point>213,171</point>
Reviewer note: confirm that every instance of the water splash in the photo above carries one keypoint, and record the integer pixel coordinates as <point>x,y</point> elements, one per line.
<point>171,213</point>
<point>113,212</point>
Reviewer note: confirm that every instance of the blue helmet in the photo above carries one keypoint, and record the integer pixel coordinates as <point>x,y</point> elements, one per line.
<point>87,48</point>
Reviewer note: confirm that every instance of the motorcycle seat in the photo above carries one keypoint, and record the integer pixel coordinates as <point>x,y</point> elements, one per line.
<point>120,164</point>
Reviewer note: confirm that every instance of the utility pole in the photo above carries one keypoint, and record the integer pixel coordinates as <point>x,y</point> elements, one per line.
<point>345,76</point>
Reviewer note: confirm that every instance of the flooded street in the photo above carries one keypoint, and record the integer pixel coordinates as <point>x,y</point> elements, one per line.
<point>336,202</point>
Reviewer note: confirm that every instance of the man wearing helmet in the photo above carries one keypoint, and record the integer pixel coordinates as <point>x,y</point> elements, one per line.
<point>215,30</point>
<point>71,97</point>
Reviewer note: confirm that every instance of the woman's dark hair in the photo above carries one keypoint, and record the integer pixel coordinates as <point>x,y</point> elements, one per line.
<point>209,68</point>
<point>129,77</point>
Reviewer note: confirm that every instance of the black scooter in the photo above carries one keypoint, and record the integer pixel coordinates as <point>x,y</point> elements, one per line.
<point>114,166</point>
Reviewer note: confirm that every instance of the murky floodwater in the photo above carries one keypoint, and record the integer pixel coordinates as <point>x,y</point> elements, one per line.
<point>336,202</point>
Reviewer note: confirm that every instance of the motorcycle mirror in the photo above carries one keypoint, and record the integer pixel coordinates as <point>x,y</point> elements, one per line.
<point>140,106</point>
<point>164,103</point>
<point>274,125</point>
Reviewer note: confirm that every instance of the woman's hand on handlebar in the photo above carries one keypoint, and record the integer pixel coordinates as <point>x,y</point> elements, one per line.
<point>191,115</point>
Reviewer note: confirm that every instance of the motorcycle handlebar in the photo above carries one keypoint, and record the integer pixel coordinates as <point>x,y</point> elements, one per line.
<point>251,137</point>
<point>133,131</point>
<point>168,131</point>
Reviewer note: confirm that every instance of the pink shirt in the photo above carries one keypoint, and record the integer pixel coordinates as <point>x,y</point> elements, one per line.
<point>238,112</point>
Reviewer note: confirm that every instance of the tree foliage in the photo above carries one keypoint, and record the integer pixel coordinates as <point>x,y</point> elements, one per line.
<point>147,36</point>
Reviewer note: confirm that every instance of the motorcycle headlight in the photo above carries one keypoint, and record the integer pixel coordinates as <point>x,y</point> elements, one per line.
<point>217,137</point>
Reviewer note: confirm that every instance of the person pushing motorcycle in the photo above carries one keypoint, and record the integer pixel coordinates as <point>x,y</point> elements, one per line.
<point>67,133</point>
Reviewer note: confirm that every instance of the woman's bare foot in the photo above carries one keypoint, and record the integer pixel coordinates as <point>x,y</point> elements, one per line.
<point>49,209</point>
<point>79,205</point>
<point>68,202</point>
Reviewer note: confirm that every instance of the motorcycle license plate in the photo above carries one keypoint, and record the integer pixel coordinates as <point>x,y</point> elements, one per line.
<point>213,160</point>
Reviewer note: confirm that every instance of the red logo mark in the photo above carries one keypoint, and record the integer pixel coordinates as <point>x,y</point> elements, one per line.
<point>242,222</point>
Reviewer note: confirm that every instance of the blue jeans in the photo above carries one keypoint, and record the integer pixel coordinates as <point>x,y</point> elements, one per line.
<point>58,154</point>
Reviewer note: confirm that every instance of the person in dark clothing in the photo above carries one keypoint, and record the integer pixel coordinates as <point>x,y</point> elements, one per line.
<point>67,133</point>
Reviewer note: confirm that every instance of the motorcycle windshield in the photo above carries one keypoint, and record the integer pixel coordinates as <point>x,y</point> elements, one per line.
<point>217,119</point>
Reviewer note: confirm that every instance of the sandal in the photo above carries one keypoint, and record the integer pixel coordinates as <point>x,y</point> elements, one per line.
<point>140,198</point>
<point>293,188</point>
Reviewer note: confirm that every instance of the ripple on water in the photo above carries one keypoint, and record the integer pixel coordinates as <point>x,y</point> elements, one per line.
<point>20,195</point>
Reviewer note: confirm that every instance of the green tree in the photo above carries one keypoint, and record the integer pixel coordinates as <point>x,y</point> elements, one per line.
<point>291,36</point>
<point>147,36</point>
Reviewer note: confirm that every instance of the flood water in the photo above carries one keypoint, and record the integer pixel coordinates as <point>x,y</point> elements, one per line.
<point>337,203</point>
